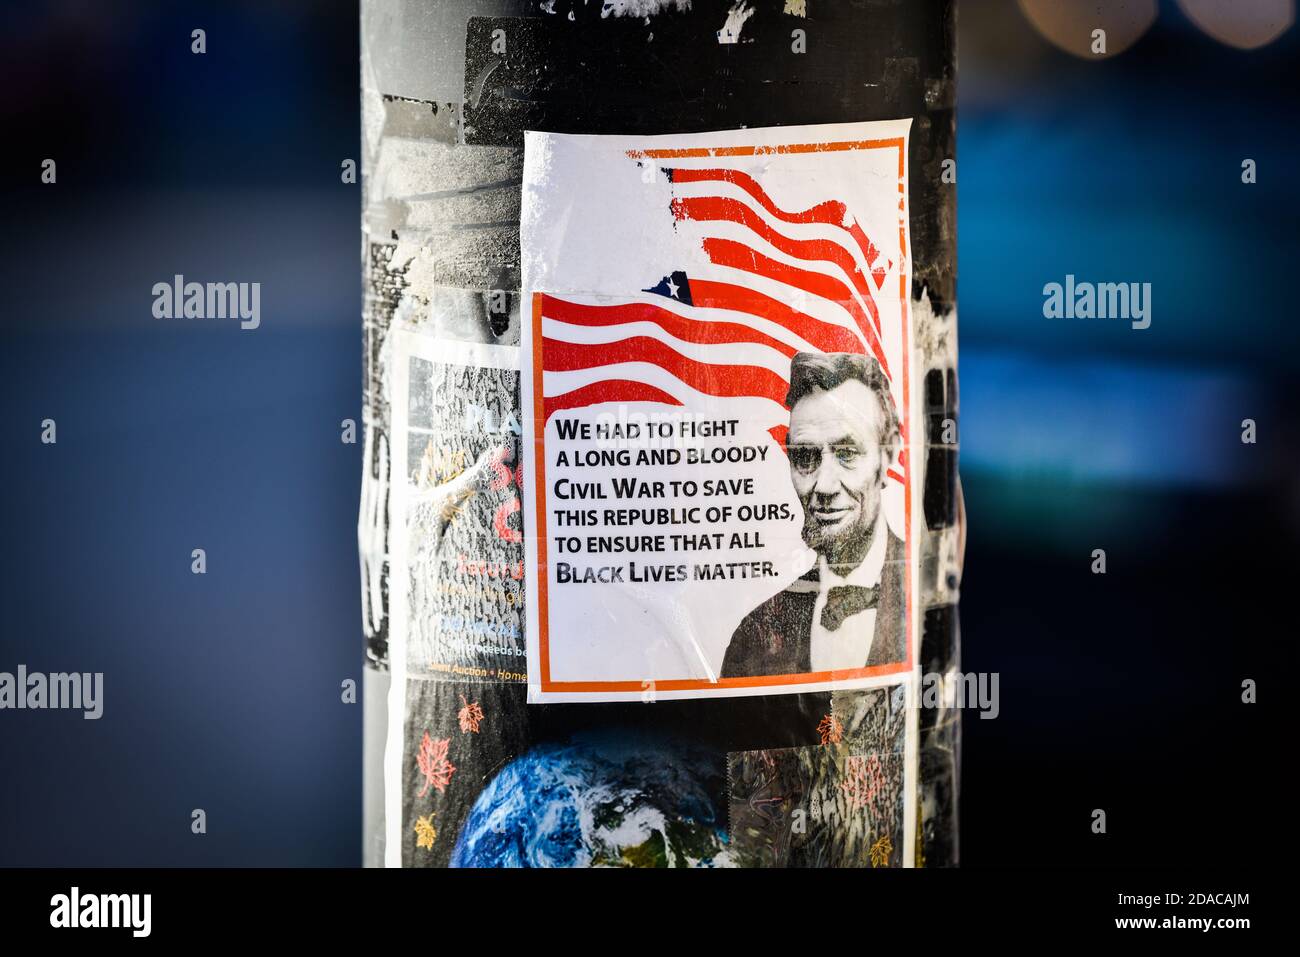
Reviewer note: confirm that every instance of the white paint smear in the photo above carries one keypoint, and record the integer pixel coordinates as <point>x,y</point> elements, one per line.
<point>739,13</point>
<point>642,8</point>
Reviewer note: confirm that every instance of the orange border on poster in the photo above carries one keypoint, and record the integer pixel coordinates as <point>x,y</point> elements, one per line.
<point>539,469</point>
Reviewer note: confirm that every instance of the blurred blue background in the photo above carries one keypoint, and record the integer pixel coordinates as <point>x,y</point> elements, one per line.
<point>223,691</point>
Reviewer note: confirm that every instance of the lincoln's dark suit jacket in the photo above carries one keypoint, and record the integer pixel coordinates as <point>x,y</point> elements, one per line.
<point>776,637</point>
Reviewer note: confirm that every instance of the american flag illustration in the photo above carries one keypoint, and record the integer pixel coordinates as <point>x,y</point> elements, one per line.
<point>765,282</point>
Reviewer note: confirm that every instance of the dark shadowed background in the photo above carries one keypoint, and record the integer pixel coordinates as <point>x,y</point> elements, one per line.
<point>222,691</point>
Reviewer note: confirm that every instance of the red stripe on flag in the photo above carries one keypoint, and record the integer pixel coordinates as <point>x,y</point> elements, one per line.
<point>831,213</point>
<point>608,390</point>
<point>721,380</point>
<point>716,208</point>
<point>824,336</point>
<point>726,252</point>
<point>689,330</point>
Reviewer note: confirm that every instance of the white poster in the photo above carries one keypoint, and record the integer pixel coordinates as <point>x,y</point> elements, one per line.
<point>718,497</point>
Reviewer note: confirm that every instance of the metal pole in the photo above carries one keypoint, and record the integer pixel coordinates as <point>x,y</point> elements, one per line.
<point>448,89</point>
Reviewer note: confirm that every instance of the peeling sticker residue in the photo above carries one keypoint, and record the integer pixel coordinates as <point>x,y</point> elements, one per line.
<point>641,8</point>
<point>736,17</point>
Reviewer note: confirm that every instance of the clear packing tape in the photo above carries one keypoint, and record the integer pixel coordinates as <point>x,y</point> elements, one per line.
<point>461,770</point>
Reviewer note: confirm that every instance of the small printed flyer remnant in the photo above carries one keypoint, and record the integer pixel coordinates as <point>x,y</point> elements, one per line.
<point>717,413</point>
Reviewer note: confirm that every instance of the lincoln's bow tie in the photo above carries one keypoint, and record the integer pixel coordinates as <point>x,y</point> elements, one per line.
<point>845,600</point>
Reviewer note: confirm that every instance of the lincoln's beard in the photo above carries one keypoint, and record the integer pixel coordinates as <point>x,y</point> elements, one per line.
<point>844,548</point>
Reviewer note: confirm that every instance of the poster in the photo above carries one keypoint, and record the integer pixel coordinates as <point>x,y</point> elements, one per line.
<point>716,413</point>
<point>457,462</point>
<point>457,654</point>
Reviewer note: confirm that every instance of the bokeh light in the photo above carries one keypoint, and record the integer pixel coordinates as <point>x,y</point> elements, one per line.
<point>1070,25</point>
<point>1244,24</point>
